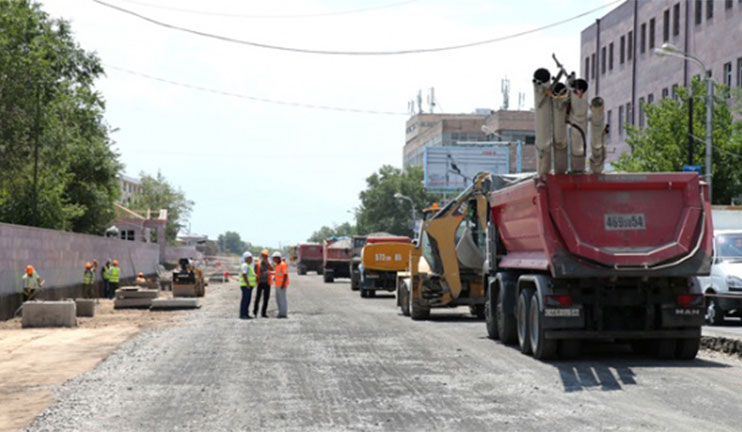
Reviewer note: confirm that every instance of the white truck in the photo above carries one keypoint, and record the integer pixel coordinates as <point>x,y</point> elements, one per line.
<point>723,287</point>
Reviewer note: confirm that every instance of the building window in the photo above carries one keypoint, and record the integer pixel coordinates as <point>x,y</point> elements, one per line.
<point>676,19</point>
<point>664,93</point>
<point>595,66</point>
<point>602,61</point>
<point>709,9</point>
<point>587,68</point>
<point>622,50</point>
<point>739,72</point>
<point>699,11</point>
<point>608,120</point>
<point>675,92</point>
<point>643,38</point>
<point>650,99</point>
<point>666,26</point>
<point>651,33</point>
<point>641,112</point>
<point>629,114</point>
<point>728,4</point>
<point>728,77</point>
<point>620,120</point>
<point>630,43</point>
<point>610,56</point>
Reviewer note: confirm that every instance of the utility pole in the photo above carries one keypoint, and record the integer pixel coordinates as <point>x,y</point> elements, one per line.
<point>690,130</point>
<point>709,129</point>
<point>37,134</point>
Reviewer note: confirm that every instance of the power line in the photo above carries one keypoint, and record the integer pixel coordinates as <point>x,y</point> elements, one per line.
<point>253,16</point>
<point>356,53</point>
<point>253,98</point>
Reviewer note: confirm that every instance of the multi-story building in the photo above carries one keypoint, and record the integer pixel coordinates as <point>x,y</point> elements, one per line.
<point>425,130</point>
<point>620,65</point>
<point>129,188</point>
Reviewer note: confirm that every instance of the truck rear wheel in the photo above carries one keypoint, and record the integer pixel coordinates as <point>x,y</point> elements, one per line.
<point>328,276</point>
<point>403,296</point>
<point>507,326</point>
<point>665,348</point>
<point>524,303</point>
<point>687,349</point>
<point>364,293</point>
<point>302,270</point>
<point>490,314</point>
<point>543,349</point>
<point>418,313</point>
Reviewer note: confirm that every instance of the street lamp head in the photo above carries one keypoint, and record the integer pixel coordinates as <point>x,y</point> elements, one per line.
<point>397,195</point>
<point>668,49</point>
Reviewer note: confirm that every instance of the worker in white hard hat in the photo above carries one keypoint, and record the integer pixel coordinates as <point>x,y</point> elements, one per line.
<point>248,280</point>
<point>281,282</point>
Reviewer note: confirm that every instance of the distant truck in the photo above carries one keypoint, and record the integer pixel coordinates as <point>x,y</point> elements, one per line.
<point>723,287</point>
<point>355,261</point>
<point>381,259</point>
<point>308,258</point>
<point>336,258</point>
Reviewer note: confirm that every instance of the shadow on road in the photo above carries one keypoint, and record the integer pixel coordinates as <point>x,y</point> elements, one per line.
<point>609,367</point>
<point>381,297</point>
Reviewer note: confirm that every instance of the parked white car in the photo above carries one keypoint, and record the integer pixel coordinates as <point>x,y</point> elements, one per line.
<point>724,286</point>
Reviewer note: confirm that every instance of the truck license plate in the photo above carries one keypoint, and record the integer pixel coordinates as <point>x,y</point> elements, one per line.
<point>615,222</point>
<point>553,312</point>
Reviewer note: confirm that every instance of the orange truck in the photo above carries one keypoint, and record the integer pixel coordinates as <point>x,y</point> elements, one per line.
<point>381,259</point>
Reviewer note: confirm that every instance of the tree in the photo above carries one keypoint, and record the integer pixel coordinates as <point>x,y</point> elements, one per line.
<point>663,145</point>
<point>230,242</point>
<point>157,193</point>
<point>381,211</point>
<point>58,170</point>
<point>344,229</point>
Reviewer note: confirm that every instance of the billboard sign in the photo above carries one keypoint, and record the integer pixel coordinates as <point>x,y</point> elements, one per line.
<point>450,168</point>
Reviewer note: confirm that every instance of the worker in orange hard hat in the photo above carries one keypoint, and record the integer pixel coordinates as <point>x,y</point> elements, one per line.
<point>114,277</point>
<point>281,282</point>
<point>263,270</point>
<point>140,280</point>
<point>88,281</point>
<point>31,283</point>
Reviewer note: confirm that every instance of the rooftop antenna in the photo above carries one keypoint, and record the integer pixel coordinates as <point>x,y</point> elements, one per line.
<point>521,100</point>
<point>411,107</point>
<point>505,88</point>
<point>431,100</point>
<point>419,101</point>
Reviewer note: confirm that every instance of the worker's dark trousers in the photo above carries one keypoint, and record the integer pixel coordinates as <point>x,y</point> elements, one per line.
<point>105,288</point>
<point>112,287</point>
<point>264,291</point>
<point>245,302</point>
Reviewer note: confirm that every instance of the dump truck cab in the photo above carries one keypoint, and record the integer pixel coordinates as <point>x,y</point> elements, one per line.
<point>446,262</point>
<point>308,258</point>
<point>336,258</point>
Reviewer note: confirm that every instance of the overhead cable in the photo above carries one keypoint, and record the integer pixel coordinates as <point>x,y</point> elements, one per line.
<point>277,16</point>
<point>351,53</point>
<point>253,98</point>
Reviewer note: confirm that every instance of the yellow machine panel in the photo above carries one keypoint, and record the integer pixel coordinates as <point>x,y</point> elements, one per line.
<point>391,256</point>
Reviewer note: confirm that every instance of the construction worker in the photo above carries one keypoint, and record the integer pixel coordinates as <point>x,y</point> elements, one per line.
<point>248,280</point>
<point>104,276</point>
<point>140,280</point>
<point>88,281</point>
<point>281,282</point>
<point>31,283</point>
<point>263,270</point>
<point>114,277</point>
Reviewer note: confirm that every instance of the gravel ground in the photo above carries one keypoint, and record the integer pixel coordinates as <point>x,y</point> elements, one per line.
<point>345,363</point>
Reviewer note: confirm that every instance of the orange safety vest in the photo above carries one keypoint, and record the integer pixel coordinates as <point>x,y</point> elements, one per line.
<point>281,272</point>
<point>257,272</point>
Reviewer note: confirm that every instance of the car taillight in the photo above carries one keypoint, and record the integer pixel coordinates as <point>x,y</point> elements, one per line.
<point>690,300</point>
<point>558,300</point>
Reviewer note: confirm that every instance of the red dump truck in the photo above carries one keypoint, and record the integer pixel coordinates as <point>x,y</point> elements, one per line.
<point>308,258</point>
<point>336,258</point>
<point>612,257</point>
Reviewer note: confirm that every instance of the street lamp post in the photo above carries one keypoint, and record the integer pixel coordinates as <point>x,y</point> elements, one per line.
<point>399,196</point>
<point>672,51</point>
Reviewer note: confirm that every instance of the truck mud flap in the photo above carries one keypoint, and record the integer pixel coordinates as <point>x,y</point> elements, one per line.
<point>637,334</point>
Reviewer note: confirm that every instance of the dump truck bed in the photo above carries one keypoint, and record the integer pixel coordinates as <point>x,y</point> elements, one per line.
<point>598,225</point>
<point>387,256</point>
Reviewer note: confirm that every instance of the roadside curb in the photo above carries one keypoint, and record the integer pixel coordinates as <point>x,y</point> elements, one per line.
<point>722,344</point>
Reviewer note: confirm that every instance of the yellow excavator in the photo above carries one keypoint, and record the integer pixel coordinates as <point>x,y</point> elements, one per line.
<point>446,263</point>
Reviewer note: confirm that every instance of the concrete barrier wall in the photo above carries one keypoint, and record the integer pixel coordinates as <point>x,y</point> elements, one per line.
<point>59,258</point>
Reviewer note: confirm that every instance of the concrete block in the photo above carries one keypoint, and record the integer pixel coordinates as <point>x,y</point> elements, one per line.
<point>184,290</point>
<point>136,293</point>
<point>175,303</point>
<point>49,314</point>
<point>85,307</point>
<point>132,303</point>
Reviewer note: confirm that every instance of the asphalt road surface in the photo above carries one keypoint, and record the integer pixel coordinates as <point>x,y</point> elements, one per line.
<point>340,363</point>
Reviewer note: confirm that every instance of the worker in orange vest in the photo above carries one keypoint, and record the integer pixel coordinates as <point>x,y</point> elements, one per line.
<point>281,282</point>
<point>263,269</point>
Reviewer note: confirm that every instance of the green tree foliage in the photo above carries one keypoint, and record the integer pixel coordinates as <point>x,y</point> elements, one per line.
<point>158,193</point>
<point>662,146</point>
<point>231,242</point>
<point>344,229</point>
<point>381,211</point>
<point>58,170</point>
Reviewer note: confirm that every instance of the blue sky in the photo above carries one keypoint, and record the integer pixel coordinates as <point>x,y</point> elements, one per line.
<point>275,173</point>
